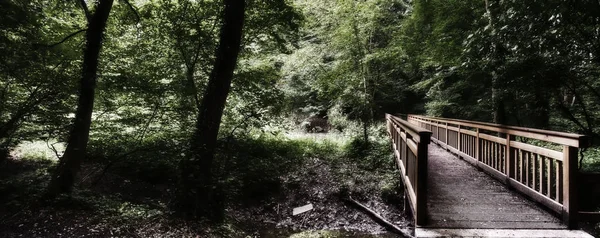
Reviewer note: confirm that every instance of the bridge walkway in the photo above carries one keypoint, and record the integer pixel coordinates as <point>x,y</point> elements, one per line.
<point>462,196</point>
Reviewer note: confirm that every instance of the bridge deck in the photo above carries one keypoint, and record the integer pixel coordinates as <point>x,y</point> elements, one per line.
<point>461,196</point>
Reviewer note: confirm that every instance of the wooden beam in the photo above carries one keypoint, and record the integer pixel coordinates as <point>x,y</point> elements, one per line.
<point>570,170</point>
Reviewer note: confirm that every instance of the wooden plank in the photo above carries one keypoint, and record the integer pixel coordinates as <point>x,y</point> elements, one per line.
<point>534,168</point>
<point>541,169</point>
<point>468,132</point>
<point>527,168</point>
<point>493,138</point>
<point>496,157</point>
<point>481,200</point>
<point>493,172</point>
<point>458,139</point>
<point>446,126</point>
<point>413,147</point>
<point>410,128</point>
<point>494,225</point>
<point>453,128</point>
<point>559,180</point>
<point>538,150</point>
<point>412,197</point>
<point>550,171</point>
<point>495,216</point>
<point>302,209</point>
<point>497,233</point>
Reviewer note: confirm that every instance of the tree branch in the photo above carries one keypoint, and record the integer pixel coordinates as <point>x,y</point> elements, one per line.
<point>378,218</point>
<point>86,10</point>
<point>567,112</point>
<point>137,15</point>
<point>67,38</point>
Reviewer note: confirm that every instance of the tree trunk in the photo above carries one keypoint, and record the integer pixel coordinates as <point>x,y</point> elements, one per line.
<point>498,59</point>
<point>199,195</point>
<point>64,175</point>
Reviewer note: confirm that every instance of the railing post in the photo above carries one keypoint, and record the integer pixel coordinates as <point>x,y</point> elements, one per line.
<point>509,159</point>
<point>422,161</point>
<point>570,170</point>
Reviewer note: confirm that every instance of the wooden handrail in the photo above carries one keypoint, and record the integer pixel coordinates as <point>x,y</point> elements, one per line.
<point>572,139</point>
<point>413,130</point>
<point>409,143</point>
<point>543,174</point>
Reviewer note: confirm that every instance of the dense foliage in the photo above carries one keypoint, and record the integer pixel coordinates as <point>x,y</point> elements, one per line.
<point>525,63</point>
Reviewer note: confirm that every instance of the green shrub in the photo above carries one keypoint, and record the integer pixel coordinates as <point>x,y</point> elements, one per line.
<point>591,160</point>
<point>375,154</point>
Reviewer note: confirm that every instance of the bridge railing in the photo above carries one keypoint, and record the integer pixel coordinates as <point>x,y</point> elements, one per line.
<point>541,164</point>
<point>410,150</point>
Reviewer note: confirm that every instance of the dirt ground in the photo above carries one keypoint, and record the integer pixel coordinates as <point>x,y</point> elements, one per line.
<point>120,207</point>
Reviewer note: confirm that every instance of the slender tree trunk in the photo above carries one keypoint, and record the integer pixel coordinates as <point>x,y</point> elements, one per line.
<point>499,115</point>
<point>199,195</point>
<point>191,88</point>
<point>64,176</point>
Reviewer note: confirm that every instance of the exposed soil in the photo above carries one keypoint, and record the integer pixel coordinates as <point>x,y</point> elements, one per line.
<point>323,185</point>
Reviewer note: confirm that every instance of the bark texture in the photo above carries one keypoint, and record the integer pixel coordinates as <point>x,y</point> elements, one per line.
<point>70,163</point>
<point>200,194</point>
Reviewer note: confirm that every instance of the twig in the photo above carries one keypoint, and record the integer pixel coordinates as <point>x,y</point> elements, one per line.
<point>51,147</point>
<point>379,219</point>
<point>66,38</point>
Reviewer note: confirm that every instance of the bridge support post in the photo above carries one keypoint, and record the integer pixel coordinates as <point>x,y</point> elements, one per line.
<point>422,163</point>
<point>570,171</point>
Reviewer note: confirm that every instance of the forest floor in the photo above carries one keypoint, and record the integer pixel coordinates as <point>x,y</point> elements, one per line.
<point>120,206</point>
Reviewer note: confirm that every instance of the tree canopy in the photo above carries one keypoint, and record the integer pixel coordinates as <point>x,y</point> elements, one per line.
<point>182,82</point>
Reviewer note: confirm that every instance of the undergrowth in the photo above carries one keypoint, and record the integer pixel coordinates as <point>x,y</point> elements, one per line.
<point>251,169</point>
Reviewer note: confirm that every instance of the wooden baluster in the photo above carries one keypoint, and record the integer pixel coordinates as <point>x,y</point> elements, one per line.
<point>502,165</point>
<point>408,165</point>
<point>489,153</point>
<point>495,155</point>
<point>471,146</point>
<point>522,164</point>
<point>533,169</point>
<point>559,181</point>
<point>486,151</point>
<point>446,134</point>
<point>477,157</point>
<point>542,168</point>
<point>527,167</point>
<point>516,169</point>
<point>550,171</point>
<point>458,139</point>
<point>570,171</point>
<point>472,143</point>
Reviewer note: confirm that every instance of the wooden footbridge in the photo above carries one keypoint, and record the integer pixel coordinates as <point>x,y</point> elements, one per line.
<point>487,180</point>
